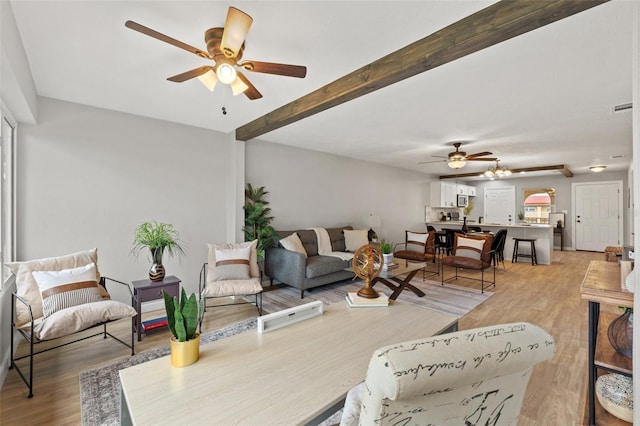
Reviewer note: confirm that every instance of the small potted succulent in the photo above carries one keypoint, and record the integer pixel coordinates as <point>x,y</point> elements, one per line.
<point>157,237</point>
<point>387,253</point>
<point>182,319</point>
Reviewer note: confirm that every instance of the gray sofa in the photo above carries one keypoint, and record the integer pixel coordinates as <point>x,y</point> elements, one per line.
<point>294,269</point>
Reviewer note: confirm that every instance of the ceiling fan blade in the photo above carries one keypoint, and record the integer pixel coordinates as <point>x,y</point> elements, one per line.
<point>179,78</point>
<point>433,161</point>
<point>479,154</point>
<point>153,33</point>
<point>235,31</point>
<point>481,159</point>
<point>251,93</point>
<point>273,68</point>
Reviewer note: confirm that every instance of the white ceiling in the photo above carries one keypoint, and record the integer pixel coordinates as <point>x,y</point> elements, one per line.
<point>540,99</point>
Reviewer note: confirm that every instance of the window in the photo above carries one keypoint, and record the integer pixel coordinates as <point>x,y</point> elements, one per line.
<point>538,203</point>
<point>7,193</point>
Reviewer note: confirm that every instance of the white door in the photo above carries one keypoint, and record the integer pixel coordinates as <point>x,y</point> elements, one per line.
<point>598,220</point>
<point>500,205</point>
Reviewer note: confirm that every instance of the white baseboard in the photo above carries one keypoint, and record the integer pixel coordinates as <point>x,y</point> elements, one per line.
<point>289,316</point>
<point>6,358</point>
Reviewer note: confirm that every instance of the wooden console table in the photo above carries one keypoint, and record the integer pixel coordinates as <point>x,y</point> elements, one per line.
<point>601,285</point>
<point>559,231</point>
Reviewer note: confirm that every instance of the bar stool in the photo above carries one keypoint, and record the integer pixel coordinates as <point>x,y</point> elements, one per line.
<point>532,255</point>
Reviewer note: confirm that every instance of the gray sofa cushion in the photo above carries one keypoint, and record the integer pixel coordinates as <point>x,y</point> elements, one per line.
<point>337,238</point>
<point>322,265</point>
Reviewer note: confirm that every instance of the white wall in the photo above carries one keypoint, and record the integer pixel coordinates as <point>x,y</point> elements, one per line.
<point>315,189</point>
<point>560,183</point>
<point>87,177</point>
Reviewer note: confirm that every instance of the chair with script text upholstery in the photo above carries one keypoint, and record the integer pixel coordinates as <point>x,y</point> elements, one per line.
<point>418,247</point>
<point>471,377</point>
<point>57,297</point>
<point>232,270</point>
<point>472,253</point>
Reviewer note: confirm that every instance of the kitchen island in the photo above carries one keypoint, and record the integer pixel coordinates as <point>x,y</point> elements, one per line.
<point>542,233</point>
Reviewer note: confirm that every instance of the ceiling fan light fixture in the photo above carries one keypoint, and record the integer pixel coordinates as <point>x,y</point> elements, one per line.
<point>597,168</point>
<point>238,86</point>
<point>209,79</point>
<point>236,28</point>
<point>456,163</point>
<point>226,73</point>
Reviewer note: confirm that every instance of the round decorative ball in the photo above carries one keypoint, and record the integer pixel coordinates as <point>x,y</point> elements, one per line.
<point>615,394</point>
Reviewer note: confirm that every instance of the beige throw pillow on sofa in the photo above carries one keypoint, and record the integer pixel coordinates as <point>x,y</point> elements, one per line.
<point>356,238</point>
<point>293,243</point>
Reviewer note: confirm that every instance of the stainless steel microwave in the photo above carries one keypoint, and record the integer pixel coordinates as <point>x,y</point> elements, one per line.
<point>463,200</point>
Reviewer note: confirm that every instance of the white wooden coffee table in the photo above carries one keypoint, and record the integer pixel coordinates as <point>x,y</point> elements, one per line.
<point>298,374</point>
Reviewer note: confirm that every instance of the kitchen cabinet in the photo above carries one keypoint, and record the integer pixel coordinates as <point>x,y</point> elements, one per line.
<point>462,189</point>
<point>443,194</point>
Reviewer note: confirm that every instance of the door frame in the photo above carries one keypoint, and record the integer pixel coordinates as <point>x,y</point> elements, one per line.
<point>620,207</point>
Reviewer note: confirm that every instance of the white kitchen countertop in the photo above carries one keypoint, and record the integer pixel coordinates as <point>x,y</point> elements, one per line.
<point>460,222</point>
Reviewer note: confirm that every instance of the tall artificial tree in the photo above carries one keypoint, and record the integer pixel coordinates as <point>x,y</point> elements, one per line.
<point>257,219</point>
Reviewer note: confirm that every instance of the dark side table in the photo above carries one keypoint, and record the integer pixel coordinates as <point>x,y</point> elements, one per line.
<point>146,290</point>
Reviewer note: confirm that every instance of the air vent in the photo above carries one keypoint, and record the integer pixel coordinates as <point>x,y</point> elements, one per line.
<point>616,157</point>
<point>622,107</point>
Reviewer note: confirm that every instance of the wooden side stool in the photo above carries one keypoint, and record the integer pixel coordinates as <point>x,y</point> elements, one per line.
<point>516,253</point>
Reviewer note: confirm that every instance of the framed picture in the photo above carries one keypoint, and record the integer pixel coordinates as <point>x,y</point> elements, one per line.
<point>555,217</point>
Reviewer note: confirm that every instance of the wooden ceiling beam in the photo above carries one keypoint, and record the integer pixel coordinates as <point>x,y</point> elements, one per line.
<point>562,168</point>
<point>487,27</point>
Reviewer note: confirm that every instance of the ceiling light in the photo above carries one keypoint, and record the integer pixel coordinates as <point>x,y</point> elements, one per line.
<point>226,73</point>
<point>456,163</point>
<point>497,171</point>
<point>597,168</point>
<point>238,86</point>
<point>209,79</point>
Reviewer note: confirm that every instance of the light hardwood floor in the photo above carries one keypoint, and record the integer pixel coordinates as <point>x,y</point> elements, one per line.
<point>548,295</point>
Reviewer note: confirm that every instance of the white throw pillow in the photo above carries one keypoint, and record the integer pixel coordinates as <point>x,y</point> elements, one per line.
<point>232,264</point>
<point>66,288</point>
<point>356,238</point>
<point>293,243</point>
<point>469,242</point>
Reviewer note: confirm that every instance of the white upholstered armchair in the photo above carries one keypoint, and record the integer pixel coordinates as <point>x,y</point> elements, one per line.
<point>232,270</point>
<point>61,296</point>
<point>471,377</point>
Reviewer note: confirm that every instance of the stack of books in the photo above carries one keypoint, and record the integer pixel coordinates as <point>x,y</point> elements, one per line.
<point>355,301</point>
<point>154,323</point>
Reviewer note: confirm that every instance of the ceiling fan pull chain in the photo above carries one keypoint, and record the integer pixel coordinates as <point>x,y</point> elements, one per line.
<point>224,101</point>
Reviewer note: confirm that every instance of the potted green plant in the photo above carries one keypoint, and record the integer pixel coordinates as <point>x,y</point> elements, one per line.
<point>157,236</point>
<point>257,220</point>
<point>182,319</point>
<point>387,253</point>
<point>521,216</point>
